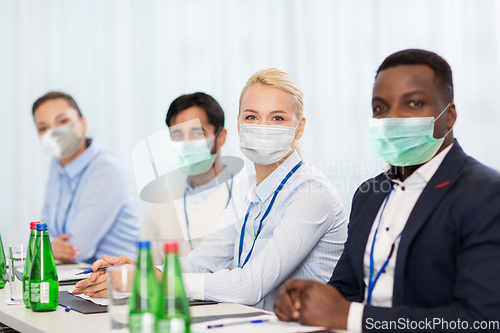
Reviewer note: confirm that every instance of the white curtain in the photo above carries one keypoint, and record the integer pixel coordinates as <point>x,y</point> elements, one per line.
<point>125,61</point>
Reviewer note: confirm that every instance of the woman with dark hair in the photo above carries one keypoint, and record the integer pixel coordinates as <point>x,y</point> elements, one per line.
<point>89,205</point>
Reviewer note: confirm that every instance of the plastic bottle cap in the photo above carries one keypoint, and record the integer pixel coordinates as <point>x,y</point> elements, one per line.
<point>143,244</point>
<point>33,224</point>
<point>171,247</point>
<point>41,226</point>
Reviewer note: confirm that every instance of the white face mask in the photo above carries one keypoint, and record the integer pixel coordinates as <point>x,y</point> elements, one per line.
<point>61,142</point>
<point>265,144</point>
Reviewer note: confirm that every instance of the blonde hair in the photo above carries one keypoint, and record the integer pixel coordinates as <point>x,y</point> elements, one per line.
<point>277,78</point>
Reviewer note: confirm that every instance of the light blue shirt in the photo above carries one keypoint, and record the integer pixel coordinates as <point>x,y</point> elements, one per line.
<point>90,198</point>
<point>302,237</point>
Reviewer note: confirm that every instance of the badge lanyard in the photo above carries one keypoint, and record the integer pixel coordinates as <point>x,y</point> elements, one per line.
<point>371,281</point>
<point>73,195</point>
<point>186,214</point>
<point>242,234</point>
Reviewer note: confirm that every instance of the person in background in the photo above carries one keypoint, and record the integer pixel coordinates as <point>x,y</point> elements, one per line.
<point>285,221</point>
<point>89,206</point>
<point>423,251</point>
<point>196,121</point>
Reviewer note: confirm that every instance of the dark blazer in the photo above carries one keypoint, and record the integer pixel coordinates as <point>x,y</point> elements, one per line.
<point>448,261</point>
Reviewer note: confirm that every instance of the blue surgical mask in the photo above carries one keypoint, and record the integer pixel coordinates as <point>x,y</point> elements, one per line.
<point>193,157</point>
<point>405,141</point>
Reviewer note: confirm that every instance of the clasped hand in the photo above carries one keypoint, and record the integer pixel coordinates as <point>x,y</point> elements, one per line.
<point>64,250</point>
<point>312,303</point>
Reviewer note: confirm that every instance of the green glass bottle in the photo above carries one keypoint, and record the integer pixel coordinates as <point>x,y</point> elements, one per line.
<point>44,285</point>
<point>27,267</point>
<point>145,293</point>
<point>3,266</point>
<point>173,308</point>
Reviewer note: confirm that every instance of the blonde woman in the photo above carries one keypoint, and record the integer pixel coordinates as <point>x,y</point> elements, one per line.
<point>286,222</point>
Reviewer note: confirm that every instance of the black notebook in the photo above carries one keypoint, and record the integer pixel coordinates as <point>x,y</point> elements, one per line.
<point>88,307</point>
<point>79,304</point>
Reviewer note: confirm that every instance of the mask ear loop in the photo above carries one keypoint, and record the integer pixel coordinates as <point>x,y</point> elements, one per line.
<point>446,108</point>
<point>214,151</point>
<point>294,134</point>
<point>451,129</point>
<point>296,129</point>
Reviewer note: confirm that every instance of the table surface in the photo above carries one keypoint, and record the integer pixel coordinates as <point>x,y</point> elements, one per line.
<point>24,320</point>
<point>59,321</point>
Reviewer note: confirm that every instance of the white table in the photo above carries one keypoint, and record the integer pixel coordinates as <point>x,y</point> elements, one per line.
<point>59,321</point>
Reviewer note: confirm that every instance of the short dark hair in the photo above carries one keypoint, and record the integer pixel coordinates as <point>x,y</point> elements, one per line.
<point>56,95</point>
<point>206,102</point>
<point>442,70</point>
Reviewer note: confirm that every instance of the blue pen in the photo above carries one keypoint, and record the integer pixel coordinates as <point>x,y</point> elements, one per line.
<point>256,321</point>
<point>90,271</point>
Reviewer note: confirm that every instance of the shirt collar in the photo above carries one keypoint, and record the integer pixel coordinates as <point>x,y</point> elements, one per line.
<point>75,167</point>
<point>271,183</point>
<point>428,170</point>
<point>223,176</point>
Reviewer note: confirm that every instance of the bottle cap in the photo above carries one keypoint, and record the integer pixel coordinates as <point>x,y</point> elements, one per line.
<point>42,226</point>
<point>143,244</point>
<point>171,247</point>
<point>33,224</point>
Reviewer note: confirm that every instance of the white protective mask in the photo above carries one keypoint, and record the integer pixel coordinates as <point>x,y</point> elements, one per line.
<point>61,142</point>
<point>265,144</point>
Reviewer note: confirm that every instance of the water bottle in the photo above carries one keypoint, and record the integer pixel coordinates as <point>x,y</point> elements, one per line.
<point>3,266</point>
<point>27,267</point>
<point>145,293</point>
<point>44,285</point>
<point>173,309</point>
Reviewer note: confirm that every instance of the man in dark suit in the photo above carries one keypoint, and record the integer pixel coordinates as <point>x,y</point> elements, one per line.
<point>423,250</point>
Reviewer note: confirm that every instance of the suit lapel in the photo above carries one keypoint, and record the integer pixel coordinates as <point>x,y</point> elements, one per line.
<point>442,181</point>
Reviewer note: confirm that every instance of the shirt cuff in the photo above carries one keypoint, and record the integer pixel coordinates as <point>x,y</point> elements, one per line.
<point>194,284</point>
<point>355,317</point>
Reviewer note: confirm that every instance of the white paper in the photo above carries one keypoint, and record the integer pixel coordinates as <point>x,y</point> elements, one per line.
<point>271,325</point>
<point>67,274</point>
<point>99,301</point>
